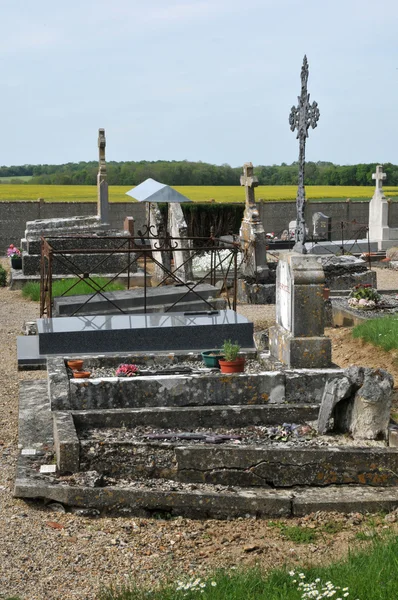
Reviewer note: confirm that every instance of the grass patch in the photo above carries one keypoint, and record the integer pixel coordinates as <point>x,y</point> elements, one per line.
<point>197,193</point>
<point>299,535</point>
<point>71,287</point>
<point>370,574</point>
<point>381,332</point>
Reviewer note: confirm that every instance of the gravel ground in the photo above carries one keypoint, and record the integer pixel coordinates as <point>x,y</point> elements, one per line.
<point>46,555</point>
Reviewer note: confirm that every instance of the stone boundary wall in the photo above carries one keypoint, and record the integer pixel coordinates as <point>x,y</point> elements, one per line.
<point>274,215</point>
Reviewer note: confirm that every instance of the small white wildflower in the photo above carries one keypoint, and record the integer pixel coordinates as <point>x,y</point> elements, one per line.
<point>213,583</point>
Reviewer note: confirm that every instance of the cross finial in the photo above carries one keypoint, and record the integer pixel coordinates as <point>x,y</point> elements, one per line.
<point>304,72</point>
<point>379,176</point>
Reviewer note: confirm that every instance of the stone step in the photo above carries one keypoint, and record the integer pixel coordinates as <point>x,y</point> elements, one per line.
<point>184,417</point>
<point>269,465</point>
<point>199,501</point>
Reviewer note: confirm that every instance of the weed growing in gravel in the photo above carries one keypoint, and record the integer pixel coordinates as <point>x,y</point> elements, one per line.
<point>299,535</point>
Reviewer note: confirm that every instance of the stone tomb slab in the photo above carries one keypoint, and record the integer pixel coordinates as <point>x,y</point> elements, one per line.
<point>133,300</point>
<point>156,332</point>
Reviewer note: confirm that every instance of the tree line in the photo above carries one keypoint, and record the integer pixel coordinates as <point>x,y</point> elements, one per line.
<point>198,173</point>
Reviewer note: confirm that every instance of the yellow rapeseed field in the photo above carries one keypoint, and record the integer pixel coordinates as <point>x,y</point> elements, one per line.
<point>117,193</point>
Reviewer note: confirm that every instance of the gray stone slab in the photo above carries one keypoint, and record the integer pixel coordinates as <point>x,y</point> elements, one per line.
<point>28,353</point>
<point>128,300</point>
<point>171,417</point>
<point>35,420</point>
<point>353,246</point>
<point>344,499</point>
<point>157,331</point>
<point>175,390</point>
<point>285,467</point>
<point>66,443</point>
<point>144,501</point>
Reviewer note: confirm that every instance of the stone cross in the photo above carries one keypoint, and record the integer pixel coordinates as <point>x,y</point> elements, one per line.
<point>252,232</point>
<point>301,118</point>
<point>379,176</point>
<point>250,182</point>
<point>102,184</point>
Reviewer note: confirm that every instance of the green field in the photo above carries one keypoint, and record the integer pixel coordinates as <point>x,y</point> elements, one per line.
<point>117,193</point>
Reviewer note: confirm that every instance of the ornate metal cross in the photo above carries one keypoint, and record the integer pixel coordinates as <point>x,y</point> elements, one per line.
<point>101,148</point>
<point>379,176</point>
<point>301,118</point>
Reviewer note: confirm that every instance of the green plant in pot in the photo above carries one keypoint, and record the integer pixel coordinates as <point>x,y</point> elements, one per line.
<point>232,363</point>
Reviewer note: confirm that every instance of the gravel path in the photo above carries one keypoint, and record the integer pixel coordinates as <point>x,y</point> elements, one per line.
<point>46,555</point>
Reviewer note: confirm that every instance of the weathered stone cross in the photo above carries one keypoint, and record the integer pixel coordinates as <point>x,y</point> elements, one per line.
<point>301,118</point>
<point>250,182</point>
<point>379,176</point>
<point>101,148</point>
<point>102,184</point>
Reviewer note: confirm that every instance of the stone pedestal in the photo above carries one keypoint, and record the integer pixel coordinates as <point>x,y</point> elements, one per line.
<point>298,338</point>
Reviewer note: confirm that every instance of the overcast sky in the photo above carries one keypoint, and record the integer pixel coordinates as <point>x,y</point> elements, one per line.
<point>210,80</point>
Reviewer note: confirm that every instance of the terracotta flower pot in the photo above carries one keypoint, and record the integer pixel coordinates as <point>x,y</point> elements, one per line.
<point>232,366</point>
<point>81,374</point>
<point>75,365</point>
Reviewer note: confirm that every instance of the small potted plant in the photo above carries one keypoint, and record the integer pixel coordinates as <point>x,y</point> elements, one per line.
<point>364,297</point>
<point>211,358</point>
<point>232,363</point>
<point>14,254</point>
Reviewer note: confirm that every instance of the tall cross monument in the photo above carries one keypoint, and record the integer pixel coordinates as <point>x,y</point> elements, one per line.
<point>102,184</point>
<point>379,231</point>
<point>252,232</point>
<point>301,118</point>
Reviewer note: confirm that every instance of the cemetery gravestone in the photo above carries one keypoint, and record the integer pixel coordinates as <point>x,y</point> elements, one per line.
<point>298,338</point>
<point>321,226</point>
<point>379,230</point>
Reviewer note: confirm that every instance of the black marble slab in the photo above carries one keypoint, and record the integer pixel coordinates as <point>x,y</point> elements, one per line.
<point>145,332</point>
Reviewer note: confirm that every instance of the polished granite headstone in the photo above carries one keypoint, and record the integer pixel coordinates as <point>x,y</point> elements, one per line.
<point>145,332</point>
